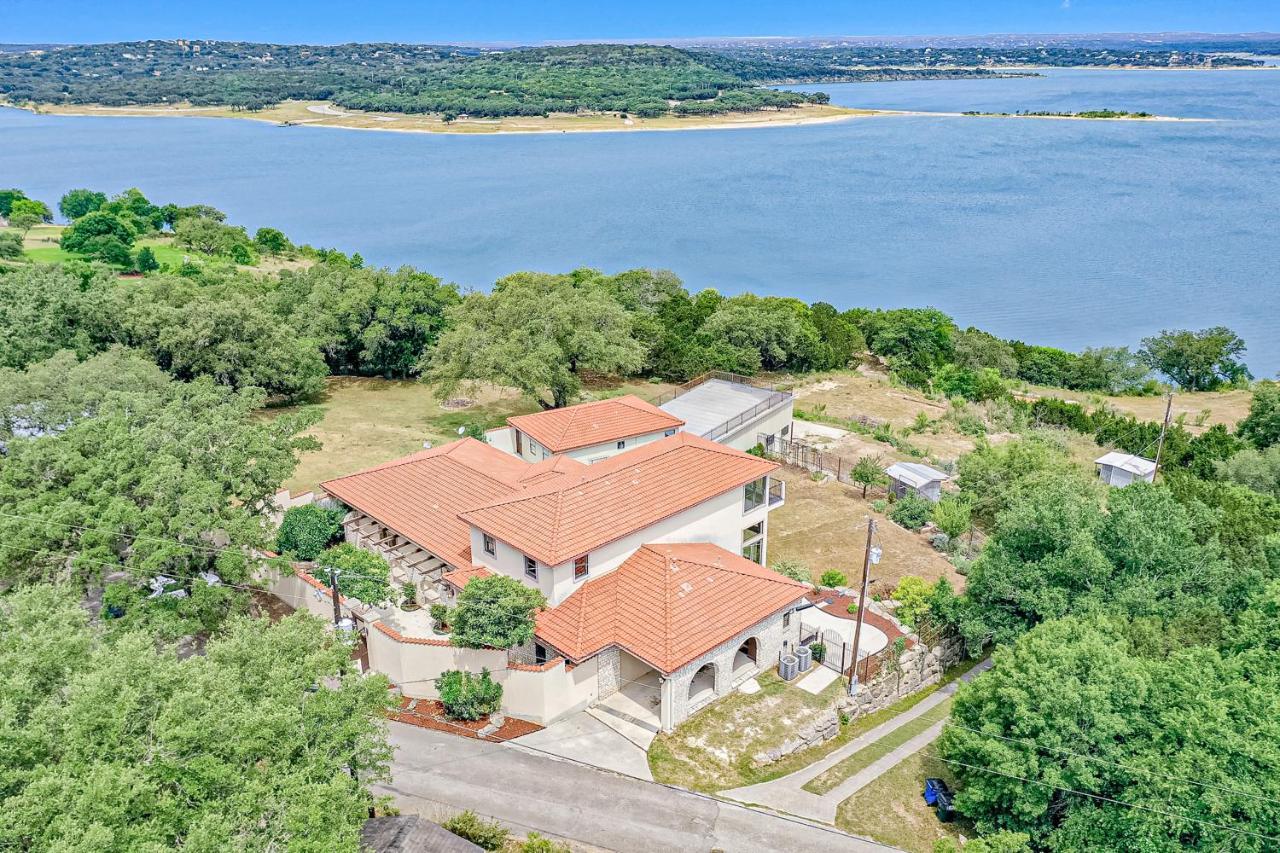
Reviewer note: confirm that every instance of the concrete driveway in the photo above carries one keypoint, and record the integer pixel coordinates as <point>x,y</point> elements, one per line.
<point>437,774</point>
<point>583,737</point>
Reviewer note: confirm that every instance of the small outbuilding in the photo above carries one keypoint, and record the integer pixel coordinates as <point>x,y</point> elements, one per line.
<point>914,478</point>
<point>1121,469</point>
<point>410,834</point>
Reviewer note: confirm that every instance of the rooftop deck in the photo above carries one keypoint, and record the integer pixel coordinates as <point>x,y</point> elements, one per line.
<point>717,405</point>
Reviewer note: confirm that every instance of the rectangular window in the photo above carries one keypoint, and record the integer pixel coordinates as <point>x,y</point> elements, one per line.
<point>531,568</point>
<point>519,443</point>
<point>786,430</point>
<point>490,546</point>
<point>753,551</point>
<point>622,445</point>
<point>753,494</point>
<point>786,619</point>
<point>539,653</point>
<point>580,567</point>
<point>753,532</point>
<point>669,433</point>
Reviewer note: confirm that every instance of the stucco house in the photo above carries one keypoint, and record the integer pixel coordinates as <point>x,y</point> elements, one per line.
<point>650,561</point>
<point>588,432</point>
<point>1122,469</point>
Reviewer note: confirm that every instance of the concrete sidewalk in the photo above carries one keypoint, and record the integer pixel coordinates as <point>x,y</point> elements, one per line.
<point>437,774</point>
<point>787,794</point>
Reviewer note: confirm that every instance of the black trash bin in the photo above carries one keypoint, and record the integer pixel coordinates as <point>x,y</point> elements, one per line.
<point>945,810</point>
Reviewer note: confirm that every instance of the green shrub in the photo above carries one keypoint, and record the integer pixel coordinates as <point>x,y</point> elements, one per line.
<point>495,612</point>
<point>793,569</point>
<point>469,697</point>
<point>361,574</point>
<point>912,595</point>
<point>308,530</point>
<point>536,843</point>
<point>486,834</point>
<point>819,651</point>
<point>912,512</point>
<point>880,505</point>
<point>832,578</point>
<point>10,245</point>
<point>440,615</point>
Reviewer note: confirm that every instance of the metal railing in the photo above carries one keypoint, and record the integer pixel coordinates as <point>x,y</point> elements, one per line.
<point>724,376</point>
<point>777,491</point>
<point>775,399</point>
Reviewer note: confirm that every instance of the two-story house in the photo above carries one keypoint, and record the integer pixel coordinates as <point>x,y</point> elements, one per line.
<point>587,432</point>
<point>650,559</point>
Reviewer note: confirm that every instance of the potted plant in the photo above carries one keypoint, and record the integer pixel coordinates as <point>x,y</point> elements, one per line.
<point>440,619</point>
<point>408,597</point>
<point>819,651</point>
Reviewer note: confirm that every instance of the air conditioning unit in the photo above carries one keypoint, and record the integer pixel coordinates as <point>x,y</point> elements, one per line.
<point>804,658</point>
<point>788,667</point>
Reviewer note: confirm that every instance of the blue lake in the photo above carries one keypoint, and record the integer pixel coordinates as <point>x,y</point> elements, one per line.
<point>1068,233</point>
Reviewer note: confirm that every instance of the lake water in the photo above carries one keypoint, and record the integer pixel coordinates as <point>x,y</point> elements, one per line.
<point>1068,233</point>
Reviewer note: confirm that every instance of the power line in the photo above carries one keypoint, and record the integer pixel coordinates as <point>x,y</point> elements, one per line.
<point>1032,743</point>
<point>1106,799</point>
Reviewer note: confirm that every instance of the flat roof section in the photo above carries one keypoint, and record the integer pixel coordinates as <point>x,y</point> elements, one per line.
<point>715,401</point>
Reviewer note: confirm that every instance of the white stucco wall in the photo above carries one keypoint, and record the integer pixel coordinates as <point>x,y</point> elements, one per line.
<point>769,423</point>
<point>719,521</point>
<point>600,452</point>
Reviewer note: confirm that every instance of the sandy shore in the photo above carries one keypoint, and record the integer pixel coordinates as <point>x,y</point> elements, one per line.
<point>323,114</point>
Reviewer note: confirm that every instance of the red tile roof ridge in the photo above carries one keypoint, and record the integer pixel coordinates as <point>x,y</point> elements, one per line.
<point>453,450</point>
<point>552,427</point>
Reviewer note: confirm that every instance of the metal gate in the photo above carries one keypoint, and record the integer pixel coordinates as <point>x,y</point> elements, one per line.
<point>838,652</point>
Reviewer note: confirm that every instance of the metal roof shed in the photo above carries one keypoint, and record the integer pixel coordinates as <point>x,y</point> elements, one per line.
<point>914,478</point>
<point>1121,469</point>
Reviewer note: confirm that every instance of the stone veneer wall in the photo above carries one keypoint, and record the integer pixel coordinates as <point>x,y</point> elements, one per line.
<point>609,672</point>
<point>770,636</point>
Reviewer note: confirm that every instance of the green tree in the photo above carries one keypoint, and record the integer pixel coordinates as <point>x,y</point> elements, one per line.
<point>362,574</point>
<point>953,515</point>
<point>115,742</point>
<point>1197,361</point>
<point>974,350</point>
<point>911,340</point>
<point>913,595</point>
<point>1114,370</point>
<point>76,203</point>
<point>793,569</point>
<point>24,221</point>
<point>1262,425</point>
<point>840,338</point>
<point>868,471</point>
<point>495,612</point>
<point>7,198</point>
<point>911,511</point>
<point>537,333</point>
<point>83,234</point>
<point>211,237</point>
<point>31,207</point>
<point>10,245</point>
<point>305,531</point>
<point>146,260</point>
<point>1257,469</point>
<point>272,241</point>
<point>42,311</point>
<point>132,207</point>
<point>773,333</point>
<point>469,697</point>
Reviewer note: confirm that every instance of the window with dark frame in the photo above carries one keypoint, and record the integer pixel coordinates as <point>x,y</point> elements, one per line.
<point>519,443</point>
<point>490,545</point>
<point>786,619</point>
<point>753,494</point>
<point>622,445</point>
<point>580,567</point>
<point>530,567</point>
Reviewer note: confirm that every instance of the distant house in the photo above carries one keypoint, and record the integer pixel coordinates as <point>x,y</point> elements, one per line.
<point>1121,469</point>
<point>913,478</point>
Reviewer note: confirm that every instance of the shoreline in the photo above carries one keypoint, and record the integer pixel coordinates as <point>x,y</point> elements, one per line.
<point>324,115</point>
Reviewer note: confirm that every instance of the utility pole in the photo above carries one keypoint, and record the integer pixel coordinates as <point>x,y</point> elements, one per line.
<point>1164,428</point>
<point>337,626</point>
<point>862,606</point>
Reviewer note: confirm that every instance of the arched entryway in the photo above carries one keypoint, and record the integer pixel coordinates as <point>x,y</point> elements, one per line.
<point>746,659</point>
<point>702,687</point>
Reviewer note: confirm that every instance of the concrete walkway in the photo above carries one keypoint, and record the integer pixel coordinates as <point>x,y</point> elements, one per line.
<point>438,775</point>
<point>787,793</point>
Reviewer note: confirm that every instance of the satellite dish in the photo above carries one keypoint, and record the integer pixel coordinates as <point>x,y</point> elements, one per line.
<point>462,430</point>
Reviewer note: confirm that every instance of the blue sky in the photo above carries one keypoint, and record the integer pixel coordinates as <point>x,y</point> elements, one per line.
<point>325,21</point>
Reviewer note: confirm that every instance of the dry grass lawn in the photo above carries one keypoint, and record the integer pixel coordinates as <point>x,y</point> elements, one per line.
<point>848,394</point>
<point>823,525</point>
<point>712,751</point>
<point>368,421</point>
<point>892,811</point>
<point>1223,407</point>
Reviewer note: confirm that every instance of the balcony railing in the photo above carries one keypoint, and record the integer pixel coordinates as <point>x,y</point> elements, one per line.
<point>777,492</point>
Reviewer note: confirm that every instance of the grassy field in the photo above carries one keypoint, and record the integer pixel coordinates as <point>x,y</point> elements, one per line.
<point>1196,410</point>
<point>892,811</point>
<point>822,525</point>
<point>713,750</point>
<point>41,246</point>
<point>368,421</point>
<point>323,114</point>
<point>873,752</point>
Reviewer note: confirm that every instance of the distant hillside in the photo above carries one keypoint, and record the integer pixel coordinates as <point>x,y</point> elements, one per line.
<point>638,79</point>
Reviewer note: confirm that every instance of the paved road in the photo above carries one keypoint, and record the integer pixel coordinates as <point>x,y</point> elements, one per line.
<point>787,793</point>
<point>437,774</point>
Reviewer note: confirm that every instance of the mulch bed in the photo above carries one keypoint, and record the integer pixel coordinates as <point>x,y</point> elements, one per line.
<point>429,714</point>
<point>839,607</point>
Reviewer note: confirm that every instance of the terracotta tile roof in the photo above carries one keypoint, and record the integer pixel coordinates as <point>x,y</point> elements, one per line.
<point>421,495</point>
<point>458,578</point>
<point>668,605</point>
<point>569,516</point>
<point>551,468</point>
<point>586,424</point>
